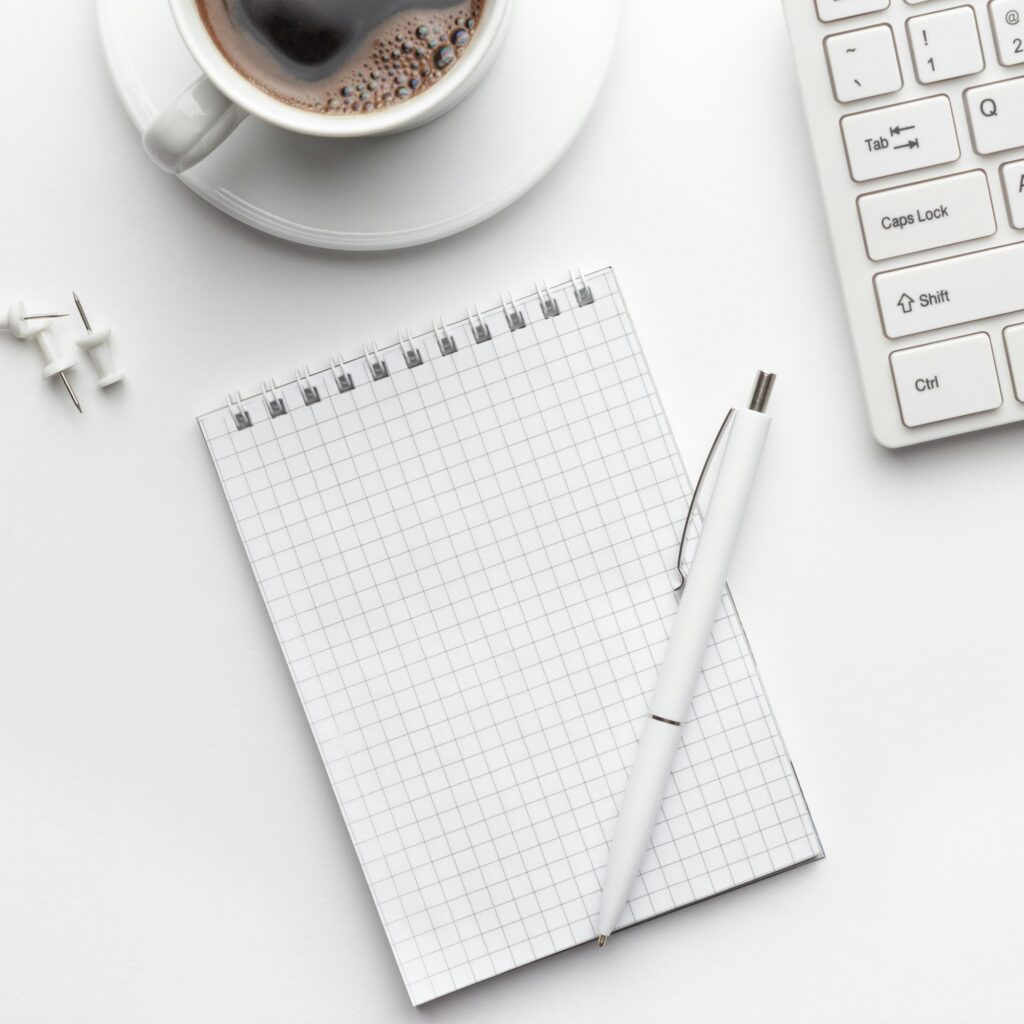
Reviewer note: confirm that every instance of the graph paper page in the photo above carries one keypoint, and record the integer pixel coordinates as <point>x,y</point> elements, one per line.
<point>468,565</point>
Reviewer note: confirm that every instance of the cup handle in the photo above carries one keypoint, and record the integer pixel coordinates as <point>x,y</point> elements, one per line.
<point>192,127</point>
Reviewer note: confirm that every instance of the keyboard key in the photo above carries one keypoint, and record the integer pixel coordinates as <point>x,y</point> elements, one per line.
<point>1006,18</point>
<point>1013,187</point>
<point>863,64</point>
<point>1013,337</point>
<point>836,10</point>
<point>945,45</point>
<point>996,115</point>
<point>946,379</point>
<point>927,215</point>
<point>906,137</point>
<point>931,296</point>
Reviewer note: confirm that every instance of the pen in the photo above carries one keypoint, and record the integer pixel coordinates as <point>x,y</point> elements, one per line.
<point>742,438</point>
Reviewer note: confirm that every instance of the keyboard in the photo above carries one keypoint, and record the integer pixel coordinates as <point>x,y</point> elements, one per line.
<point>916,112</point>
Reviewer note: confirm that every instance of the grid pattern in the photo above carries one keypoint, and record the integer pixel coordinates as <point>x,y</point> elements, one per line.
<point>468,567</point>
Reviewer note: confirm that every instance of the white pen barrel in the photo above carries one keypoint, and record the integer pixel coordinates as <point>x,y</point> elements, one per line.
<point>687,645</point>
<point>706,579</point>
<point>645,793</point>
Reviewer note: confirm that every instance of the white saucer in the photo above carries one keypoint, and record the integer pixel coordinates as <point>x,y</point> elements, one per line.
<point>384,193</point>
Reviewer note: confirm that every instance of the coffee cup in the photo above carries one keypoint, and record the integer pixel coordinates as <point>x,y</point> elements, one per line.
<point>210,109</point>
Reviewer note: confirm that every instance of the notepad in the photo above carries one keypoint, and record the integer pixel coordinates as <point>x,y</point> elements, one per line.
<point>466,544</point>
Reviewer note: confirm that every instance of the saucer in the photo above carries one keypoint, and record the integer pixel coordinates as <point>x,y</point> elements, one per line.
<point>394,191</point>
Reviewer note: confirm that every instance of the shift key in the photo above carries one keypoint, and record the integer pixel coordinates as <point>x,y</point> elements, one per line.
<point>905,137</point>
<point>958,290</point>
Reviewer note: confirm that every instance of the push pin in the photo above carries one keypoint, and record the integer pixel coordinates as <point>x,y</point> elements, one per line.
<point>96,344</point>
<point>37,328</point>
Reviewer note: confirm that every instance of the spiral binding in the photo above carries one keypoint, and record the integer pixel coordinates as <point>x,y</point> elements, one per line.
<point>378,368</point>
<point>342,376</point>
<point>274,400</point>
<point>243,421</point>
<point>548,304</point>
<point>310,392</point>
<point>445,342</point>
<point>515,317</point>
<point>481,332</point>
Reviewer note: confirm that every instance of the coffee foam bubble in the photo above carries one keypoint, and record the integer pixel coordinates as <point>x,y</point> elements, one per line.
<point>401,58</point>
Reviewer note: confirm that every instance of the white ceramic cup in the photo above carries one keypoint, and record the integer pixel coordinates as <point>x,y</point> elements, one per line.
<point>206,113</point>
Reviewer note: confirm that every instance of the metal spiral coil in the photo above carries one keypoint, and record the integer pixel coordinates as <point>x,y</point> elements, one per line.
<point>514,313</point>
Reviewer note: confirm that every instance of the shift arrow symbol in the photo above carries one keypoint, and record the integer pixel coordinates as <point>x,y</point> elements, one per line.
<point>906,303</point>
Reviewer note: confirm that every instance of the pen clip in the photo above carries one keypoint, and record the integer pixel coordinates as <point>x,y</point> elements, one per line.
<point>715,445</point>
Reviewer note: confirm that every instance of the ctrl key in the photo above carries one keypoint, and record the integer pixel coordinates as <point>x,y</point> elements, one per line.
<point>946,379</point>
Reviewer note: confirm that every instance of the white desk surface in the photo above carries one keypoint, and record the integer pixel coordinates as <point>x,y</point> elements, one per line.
<point>161,865</point>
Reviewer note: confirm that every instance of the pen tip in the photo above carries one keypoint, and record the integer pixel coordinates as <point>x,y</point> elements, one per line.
<point>601,940</point>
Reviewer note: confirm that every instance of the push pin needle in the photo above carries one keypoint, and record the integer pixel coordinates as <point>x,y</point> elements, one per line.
<point>63,376</point>
<point>70,391</point>
<point>81,312</point>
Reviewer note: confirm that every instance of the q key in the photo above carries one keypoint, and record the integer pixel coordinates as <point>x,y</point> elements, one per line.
<point>996,116</point>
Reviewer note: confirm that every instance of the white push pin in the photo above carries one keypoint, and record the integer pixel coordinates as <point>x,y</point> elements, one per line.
<point>37,328</point>
<point>97,345</point>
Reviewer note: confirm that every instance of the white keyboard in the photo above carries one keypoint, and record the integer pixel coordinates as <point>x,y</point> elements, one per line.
<point>916,109</point>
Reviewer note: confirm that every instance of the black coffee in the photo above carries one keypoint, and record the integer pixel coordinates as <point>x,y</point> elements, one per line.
<point>343,56</point>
